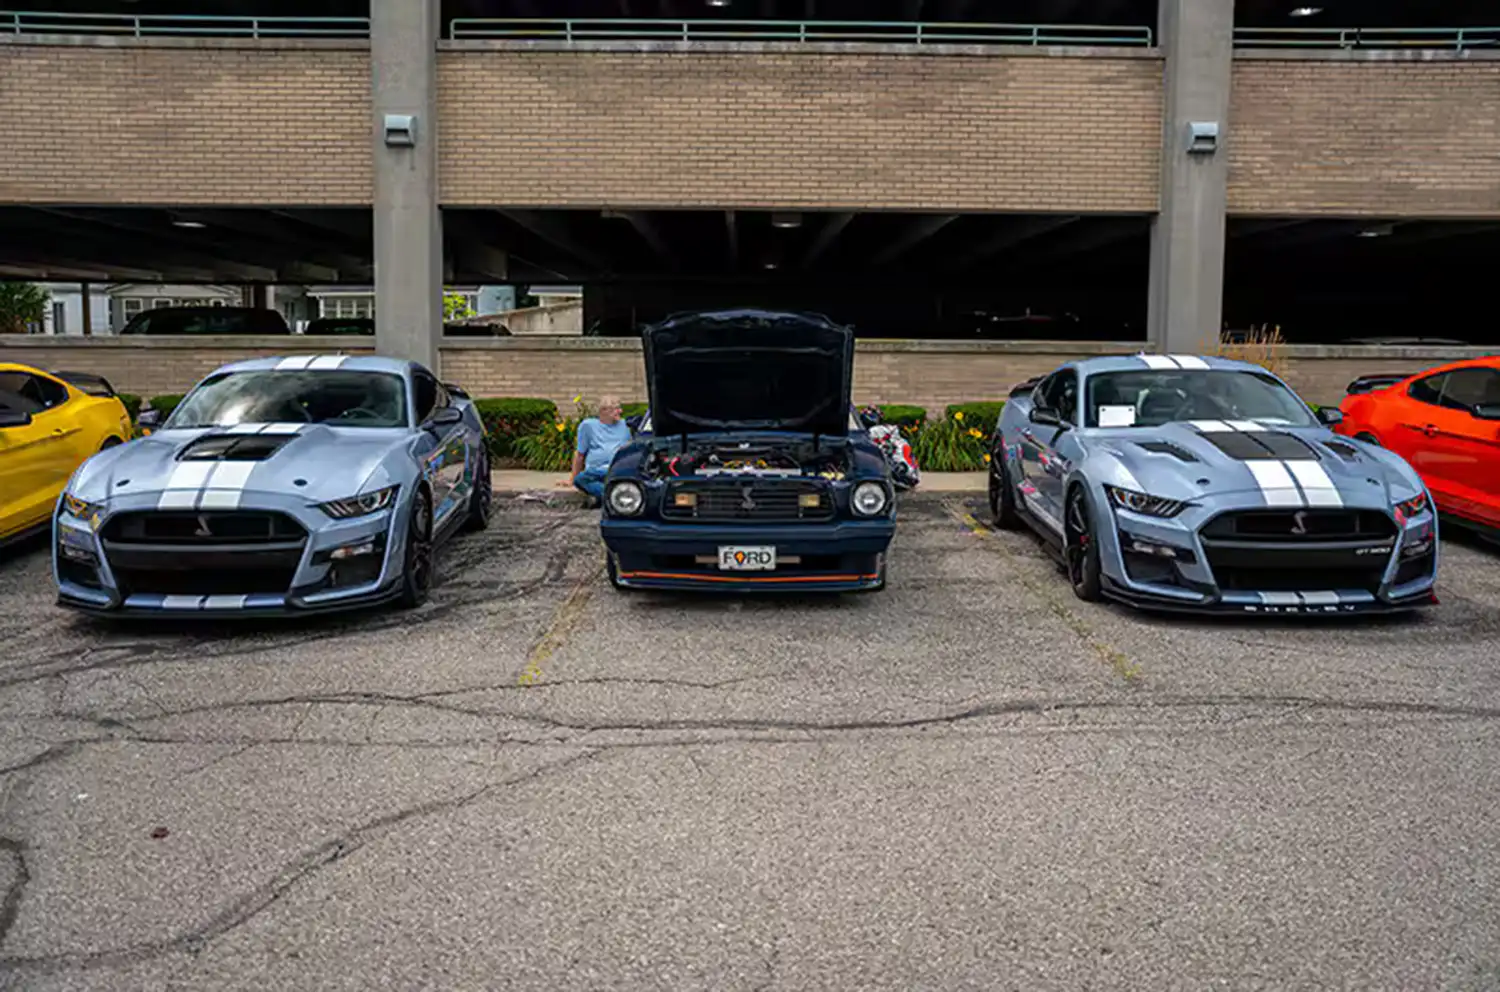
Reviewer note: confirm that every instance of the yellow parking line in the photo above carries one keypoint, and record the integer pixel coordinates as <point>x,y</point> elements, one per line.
<point>1115,658</point>
<point>563,622</point>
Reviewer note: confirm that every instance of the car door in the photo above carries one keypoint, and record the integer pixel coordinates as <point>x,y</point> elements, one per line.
<point>37,458</point>
<point>443,449</point>
<point>1043,466</point>
<point>1466,447</point>
<point>1424,433</point>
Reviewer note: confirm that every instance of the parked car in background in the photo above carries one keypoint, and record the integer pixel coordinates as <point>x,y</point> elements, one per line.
<point>207,321</point>
<point>1446,423</point>
<point>296,485</point>
<point>1202,484</point>
<point>751,471</point>
<point>48,426</point>
<point>366,326</point>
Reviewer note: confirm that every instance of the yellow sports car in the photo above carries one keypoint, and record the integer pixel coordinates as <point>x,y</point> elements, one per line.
<point>50,423</point>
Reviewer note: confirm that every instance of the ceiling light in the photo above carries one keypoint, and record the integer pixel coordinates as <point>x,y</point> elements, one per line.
<point>786,220</point>
<point>770,265</point>
<point>195,224</point>
<point>1378,231</point>
<point>718,3</point>
<point>1306,11</point>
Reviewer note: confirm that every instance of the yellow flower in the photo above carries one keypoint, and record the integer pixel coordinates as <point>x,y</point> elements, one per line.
<point>578,398</point>
<point>958,415</point>
<point>975,432</point>
<point>561,428</point>
<point>986,459</point>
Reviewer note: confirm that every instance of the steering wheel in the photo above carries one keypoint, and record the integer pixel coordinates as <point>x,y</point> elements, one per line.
<point>360,413</point>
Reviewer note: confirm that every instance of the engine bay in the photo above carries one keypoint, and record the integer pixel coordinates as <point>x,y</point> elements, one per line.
<point>802,459</point>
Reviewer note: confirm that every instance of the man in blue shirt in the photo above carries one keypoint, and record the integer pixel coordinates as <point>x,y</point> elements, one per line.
<point>598,440</point>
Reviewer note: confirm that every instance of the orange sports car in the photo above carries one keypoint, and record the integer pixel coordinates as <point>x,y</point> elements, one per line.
<point>1446,423</point>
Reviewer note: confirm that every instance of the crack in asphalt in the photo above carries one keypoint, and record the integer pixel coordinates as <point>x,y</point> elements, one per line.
<point>252,904</point>
<point>54,753</point>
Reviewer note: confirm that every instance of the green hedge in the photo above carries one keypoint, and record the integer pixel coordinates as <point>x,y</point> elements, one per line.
<point>628,410</point>
<point>132,404</point>
<point>166,403</point>
<point>908,418</point>
<point>509,418</point>
<point>981,416</point>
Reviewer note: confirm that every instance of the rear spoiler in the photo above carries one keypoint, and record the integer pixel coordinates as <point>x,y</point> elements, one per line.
<point>94,385</point>
<point>1026,386</point>
<point>1367,383</point>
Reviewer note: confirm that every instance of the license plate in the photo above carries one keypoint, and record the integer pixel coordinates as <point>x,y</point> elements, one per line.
<point>738,559</point>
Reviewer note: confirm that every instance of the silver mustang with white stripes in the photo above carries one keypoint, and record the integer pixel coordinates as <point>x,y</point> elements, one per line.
<point>278,485</point>
<point>1180,482</point>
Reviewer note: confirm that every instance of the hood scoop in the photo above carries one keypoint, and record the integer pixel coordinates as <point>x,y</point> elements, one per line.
<point>1254,446</point>
<point>234,447</point>
<point>1166,448</point>
<point>1348,452</point>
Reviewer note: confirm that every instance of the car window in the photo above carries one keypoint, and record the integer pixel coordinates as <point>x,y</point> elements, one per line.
<point>1060,393</point>
<point>1152,397</point>
<point>336,397</point>
<point>1428,390</point>
<point>426,389</point>
<point>37,392</point>
<point>1464,389</point>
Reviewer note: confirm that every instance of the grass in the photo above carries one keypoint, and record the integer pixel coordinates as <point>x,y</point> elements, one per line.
<point>1262,347</point>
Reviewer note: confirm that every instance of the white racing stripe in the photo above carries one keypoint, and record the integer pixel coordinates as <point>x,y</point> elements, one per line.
<point>1190,361</point>
<point>1247,426</point>
<point>328,361</point>
<point>1159,362</point>
<point>1211,426</point>
<point>247,428</point>
<point>1275,483</point>
<point>226,485</point>
<point>282,428</point>
<point>183,485</point>
<point>1280,599</point>
<point>1318,487</point>
<point>295,363</point>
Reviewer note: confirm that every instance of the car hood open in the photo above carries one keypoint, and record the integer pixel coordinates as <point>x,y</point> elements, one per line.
<point>749,370</point>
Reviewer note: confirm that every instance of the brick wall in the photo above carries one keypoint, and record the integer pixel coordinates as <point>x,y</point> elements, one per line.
<point>1327,133</point>
<point>790,128</point>
<point>277,123</point>
<point>928,373</point>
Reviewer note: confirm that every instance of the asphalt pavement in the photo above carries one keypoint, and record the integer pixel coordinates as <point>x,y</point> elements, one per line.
<point>969,781</point>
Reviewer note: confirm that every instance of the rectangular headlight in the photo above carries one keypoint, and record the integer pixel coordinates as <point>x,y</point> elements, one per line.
<point>1151,506</point>
<point>360,506</point>
<point>82,509</point>
<point>1406,509</point>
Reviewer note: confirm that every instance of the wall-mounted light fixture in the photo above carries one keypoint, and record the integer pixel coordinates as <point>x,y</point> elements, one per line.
<point>1202,137</point>
<point>400,130</point>
<point>1306,11</point>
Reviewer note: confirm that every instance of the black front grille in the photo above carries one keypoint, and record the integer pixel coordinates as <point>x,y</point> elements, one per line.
<point>212,582</point>
<point>1283,526</point>
<point>186,527</point>
<point>1416,568</point>
<point>1291,579</point>
<point>759,499</point>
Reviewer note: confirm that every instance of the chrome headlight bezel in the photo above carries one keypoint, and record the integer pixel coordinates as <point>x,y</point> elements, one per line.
<point>1145,504</point>
<point>626,498</point>
<point>363,505</point>
<point>872,510</point>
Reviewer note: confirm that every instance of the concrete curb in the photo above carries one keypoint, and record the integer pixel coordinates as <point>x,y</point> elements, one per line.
<point>509,481</point>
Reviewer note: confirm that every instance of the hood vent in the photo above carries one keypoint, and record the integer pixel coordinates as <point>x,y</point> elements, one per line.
<point>1253,446</point>
<point>1166,448</point>
<point>234,447</point>
<point>1345,451</point>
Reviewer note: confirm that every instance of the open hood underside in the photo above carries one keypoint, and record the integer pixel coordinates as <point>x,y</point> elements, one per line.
<point>749,370</point>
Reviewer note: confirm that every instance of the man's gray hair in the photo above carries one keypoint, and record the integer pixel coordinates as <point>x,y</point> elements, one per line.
<point>608,400</point>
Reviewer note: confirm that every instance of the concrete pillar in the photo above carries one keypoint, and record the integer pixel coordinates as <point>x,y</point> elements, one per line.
<point>87,296</point>
<point>1187,237</point>
<point>408,228</point>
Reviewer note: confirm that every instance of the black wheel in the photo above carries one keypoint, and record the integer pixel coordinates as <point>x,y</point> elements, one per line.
<point>1081,550</point>
<point>109,442</point>
<point>416,575</point>
<point>482,496</point>
<point>1002,493</point>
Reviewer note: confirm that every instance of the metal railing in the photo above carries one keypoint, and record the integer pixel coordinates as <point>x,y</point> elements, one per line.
<point>1450,39</point>
<point>182,25</point>
<point>886,32</point>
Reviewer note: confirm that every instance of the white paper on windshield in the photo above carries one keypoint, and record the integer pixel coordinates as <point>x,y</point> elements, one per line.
<point>1117,416</point>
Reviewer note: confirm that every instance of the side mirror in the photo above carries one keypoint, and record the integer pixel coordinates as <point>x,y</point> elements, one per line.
<point>1486,411</point>
<point>1046,417</point>
<point>150,419</point>
<point>868,420</point>
<point>1330,415</point>
<point>634,423</point>
<point>15,418</point>
<point>446,417</point>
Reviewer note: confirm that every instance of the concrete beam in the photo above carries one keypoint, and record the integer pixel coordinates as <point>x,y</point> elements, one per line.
<point>826,237</point>
<point>918,232</point>
<point>1185,309</point>
<point>408,226</point>
<point>1012,234</point>
<point>556,234</point>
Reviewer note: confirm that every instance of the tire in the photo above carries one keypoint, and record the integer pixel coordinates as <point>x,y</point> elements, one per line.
<point>1003,508</point>
<point>477,516</point>
<point>416,565</point>
<point>110,442</point>
<point>1080,548</point>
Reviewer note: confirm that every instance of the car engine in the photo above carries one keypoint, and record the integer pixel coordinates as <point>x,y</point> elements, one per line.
<point>824,460</point>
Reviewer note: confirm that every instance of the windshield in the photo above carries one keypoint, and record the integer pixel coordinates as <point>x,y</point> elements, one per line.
<point>1152,397</point>
<point>344,399</point>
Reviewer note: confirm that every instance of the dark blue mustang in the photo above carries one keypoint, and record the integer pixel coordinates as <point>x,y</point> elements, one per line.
<point>751,471</point>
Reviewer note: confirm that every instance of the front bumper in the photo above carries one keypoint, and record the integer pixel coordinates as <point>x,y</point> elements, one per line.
<point>840,556</point>
<point>1169,565</point>
<point>98,571</point>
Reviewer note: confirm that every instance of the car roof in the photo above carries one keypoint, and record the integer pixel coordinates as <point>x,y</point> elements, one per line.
<point>1142,360</point>
<point>320,363</point>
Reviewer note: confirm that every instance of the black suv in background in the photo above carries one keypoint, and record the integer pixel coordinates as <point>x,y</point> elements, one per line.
<point>207,320</point>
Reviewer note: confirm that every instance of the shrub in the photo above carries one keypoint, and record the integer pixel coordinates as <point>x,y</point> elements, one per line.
<point>551,446</point>
<point>132,404</point>
<point>1262,346</point>
<point>950,445</point>
<point>909,418</point>
<point>629,410</point>
<point>508,419</point>
<point>980,416</point>
<point>166,404</point>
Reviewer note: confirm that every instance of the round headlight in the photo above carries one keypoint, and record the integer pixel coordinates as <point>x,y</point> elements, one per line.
<point>626,498</point>
<point>869,499</point>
